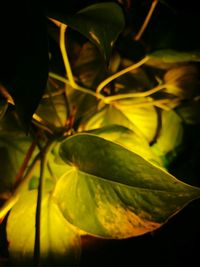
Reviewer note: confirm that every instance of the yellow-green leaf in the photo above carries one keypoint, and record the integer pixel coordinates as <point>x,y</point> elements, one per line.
<point>114,193</point>
<point>129,139</point>
<point>170,137</point>
<point>60,244</point>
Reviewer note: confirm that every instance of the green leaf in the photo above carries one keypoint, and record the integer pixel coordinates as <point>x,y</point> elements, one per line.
<point>89,66</point>
<point>173,56</point>
<point>142,120</point>
<point>144,117</point>
<point>129,139</point>
<point>114,193</point>
<point>60,244</point>
<point>100,23</point>
<point>52,108</point>
<point>14,144</point>
<point>170,137</point>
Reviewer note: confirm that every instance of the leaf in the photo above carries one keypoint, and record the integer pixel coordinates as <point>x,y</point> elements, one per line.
<point>173,56</point>
<point>144,117</point>
<point>52,108</point>
<point>24,57</point>
<point>183,81</point>
<point>14,144</point>
<point>101,23</point>
<point>170,137</point>
<point>60,244</point>
<point>89,66</point>
<point>142,120</point>
<point>114,193</point>
<point>129,139</point>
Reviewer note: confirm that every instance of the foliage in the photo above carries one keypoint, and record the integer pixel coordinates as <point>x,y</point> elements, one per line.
<point>90,123</point>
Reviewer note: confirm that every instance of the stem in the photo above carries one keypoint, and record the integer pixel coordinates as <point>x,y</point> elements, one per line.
<point>132,95</point>
<point>120,73</point>
<point>43,164</point>
<point>25,162</point>
<point>138,36</point>
<point>63,28</point>
<point>76,86</point>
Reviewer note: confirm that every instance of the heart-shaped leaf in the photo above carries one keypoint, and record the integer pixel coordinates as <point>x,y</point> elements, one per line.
<point>60,244</point>
<point>100,23</point>
<point>112,192</point>
<point>129,139</point>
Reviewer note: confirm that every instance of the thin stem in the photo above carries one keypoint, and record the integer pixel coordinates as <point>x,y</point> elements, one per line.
<point>120,73</point>
<point>25,162</point>
<point>146,21</point>
<point>161,103</point>
<point>135,95</point>
<point>76,87</point>
<point>43,164</point>
<point>70,76</point>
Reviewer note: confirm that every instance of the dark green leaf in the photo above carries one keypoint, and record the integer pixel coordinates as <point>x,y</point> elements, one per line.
<point>100,23</point>
<point>112,192</point>
<point>53,107</point>
<point>129,139</point>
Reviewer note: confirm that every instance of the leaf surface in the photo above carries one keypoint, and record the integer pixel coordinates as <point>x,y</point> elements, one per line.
<point>59,241</point>
<point>101,23</point>
<point>114,193</point>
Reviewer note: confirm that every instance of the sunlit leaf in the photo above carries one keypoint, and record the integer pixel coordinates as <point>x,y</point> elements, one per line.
<point>170,137</point>
<point>142,120</point>
<point>112,192</point>
<point>60,245</point>
<point>97,24</point>
<point>144,116</point>
<point>129,139</point>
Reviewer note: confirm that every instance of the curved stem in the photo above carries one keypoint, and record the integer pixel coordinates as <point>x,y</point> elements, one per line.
<point>70,76</point>
<point>120,73</point>
<point>135,95</point>
<point>76,86</point>
<point>146,21</point>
